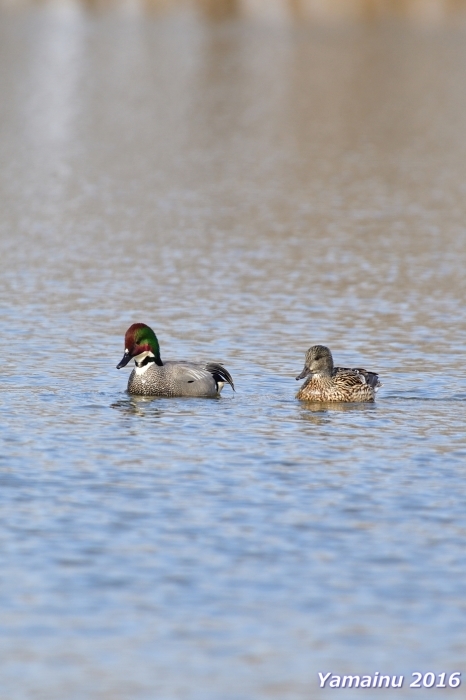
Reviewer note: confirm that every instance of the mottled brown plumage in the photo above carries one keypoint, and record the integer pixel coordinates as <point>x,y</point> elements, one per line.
<point>329,383</point>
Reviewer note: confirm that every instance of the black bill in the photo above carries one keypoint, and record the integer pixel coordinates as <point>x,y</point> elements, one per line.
<point>304,373</point>
<point>124,361</point>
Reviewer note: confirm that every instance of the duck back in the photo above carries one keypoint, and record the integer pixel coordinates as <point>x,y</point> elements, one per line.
<point>178,378</point>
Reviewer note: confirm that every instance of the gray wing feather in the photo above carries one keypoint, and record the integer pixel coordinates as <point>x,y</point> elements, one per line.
<point>193,371</point>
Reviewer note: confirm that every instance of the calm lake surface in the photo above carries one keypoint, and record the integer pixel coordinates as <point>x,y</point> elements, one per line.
<point>248,190</point>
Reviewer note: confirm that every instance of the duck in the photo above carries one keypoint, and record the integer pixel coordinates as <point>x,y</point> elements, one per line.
<point>329,383</point>
<point>152,377</point>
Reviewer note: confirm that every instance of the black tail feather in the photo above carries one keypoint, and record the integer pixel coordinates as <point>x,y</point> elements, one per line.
<point>219,373</point>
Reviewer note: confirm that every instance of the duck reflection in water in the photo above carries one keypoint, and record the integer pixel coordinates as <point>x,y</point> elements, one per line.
<point>139,406</point>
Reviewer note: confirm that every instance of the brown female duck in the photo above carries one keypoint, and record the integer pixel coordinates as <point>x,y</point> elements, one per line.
<point>329,383</point>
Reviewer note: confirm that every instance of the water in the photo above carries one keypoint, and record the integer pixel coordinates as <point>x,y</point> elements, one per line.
<point>248,191</point>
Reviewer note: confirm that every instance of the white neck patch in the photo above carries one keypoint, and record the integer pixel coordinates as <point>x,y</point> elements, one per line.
<point>140,358</point>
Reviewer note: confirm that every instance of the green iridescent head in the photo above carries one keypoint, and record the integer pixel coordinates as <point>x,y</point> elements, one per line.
<point>140,339</point>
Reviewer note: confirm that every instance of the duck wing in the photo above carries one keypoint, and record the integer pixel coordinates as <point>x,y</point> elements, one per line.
<point>191,372</point>
<point>357,375</point>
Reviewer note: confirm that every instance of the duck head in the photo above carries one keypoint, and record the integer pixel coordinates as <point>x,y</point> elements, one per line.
<point>141,344</point>
<point>318,360</point>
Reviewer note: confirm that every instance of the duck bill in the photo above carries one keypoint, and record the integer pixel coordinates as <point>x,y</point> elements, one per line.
<point>304,373</point>
<point>124,361</point>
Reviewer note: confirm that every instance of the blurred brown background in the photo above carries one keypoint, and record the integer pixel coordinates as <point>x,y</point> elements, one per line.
<point>283,10</point>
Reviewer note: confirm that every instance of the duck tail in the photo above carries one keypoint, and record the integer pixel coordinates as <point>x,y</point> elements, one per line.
<point>219,373</point>
<point>372,378</point>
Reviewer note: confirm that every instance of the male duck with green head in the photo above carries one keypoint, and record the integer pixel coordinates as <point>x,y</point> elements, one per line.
<point>152,377</point>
